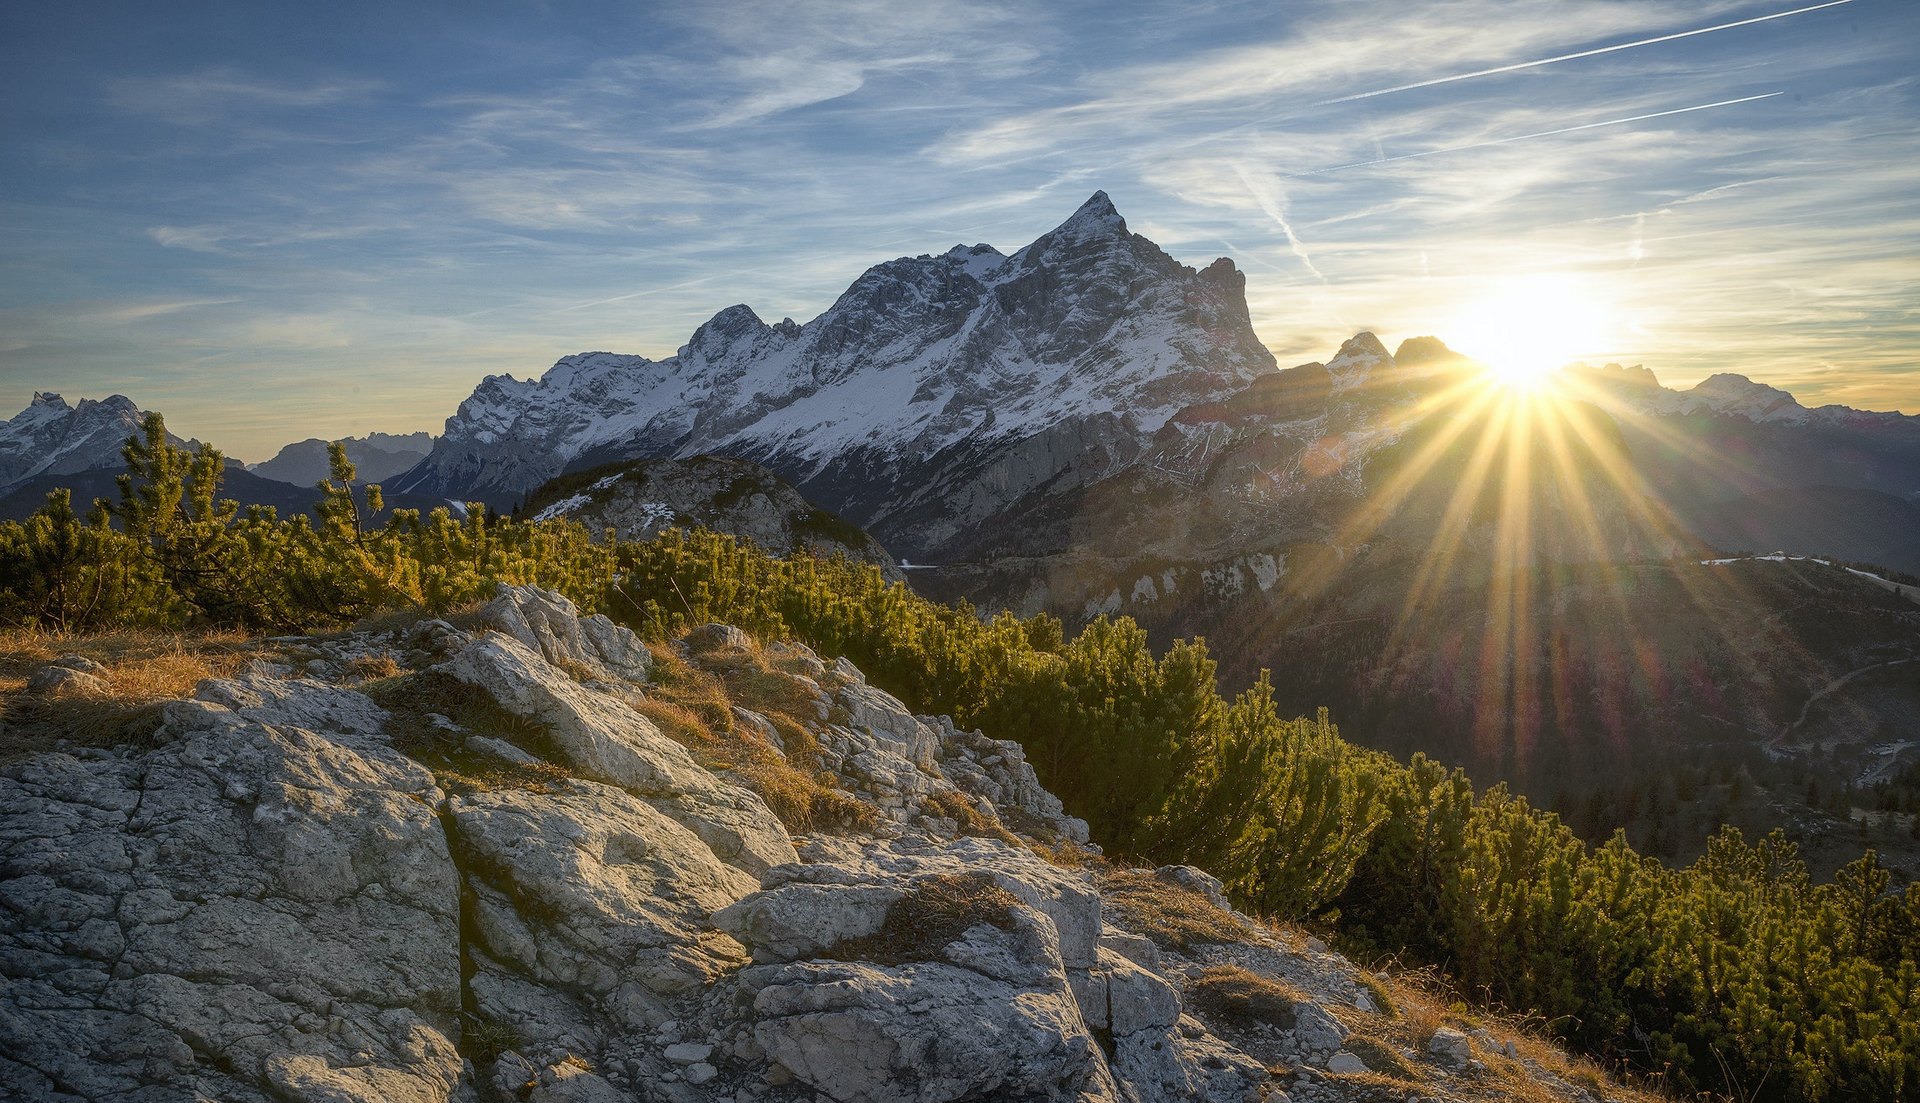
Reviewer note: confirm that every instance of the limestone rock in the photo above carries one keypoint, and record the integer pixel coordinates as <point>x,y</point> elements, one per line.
<point>594,888</point>
<point>1343,1062</point>
<point>718,637</point>
<point>1451,1047</point>
<point>604,739</point>
<point>549,625</point>
<point>264,906</point>
<point>800,920</point>
<point>1067,898</point>
<point>924,1033</point>
<point>1196,880</point>
<point>62,679</point>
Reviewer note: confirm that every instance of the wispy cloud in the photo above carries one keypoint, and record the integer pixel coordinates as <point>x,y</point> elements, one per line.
<point>501,188</point>
<point>1268,193</point>
<point>190,96</point>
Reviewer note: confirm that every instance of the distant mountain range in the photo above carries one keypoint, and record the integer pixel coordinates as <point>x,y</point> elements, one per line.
<point>51,438</point>
<point>53,445</point>
<point>376,457</point>
<point>1088,426</point>
<point>970,405</point>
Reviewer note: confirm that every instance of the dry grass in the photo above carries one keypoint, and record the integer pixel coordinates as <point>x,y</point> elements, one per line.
<point>414,699</point>
<point>373,668</point>
<point>694,707</point>
<point>1067,854</point>
<point>1171,915</point>
<point>1242,998</point>
<point>954,805</point>
<point>935,912</point>
<point>1421,1002</point>
<point>142,671</point>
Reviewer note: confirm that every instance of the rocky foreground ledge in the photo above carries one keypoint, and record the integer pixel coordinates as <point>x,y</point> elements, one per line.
<point>446,862</point>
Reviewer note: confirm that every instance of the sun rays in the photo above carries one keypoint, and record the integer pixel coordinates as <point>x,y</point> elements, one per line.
<point>1526,541</point>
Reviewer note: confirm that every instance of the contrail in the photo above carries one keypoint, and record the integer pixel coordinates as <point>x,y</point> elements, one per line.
<point>1540,134</point>
<point>1584,53</point>
<point>1272,207</point>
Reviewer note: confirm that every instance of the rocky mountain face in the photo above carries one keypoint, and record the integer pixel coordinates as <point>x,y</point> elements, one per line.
<point>52,438</point>
<point>1087,427</point>
<point>492,874</point>
<point>376,457</point>
<point>969,379</point>
<point>1745,466</point>
<point>638,499</point>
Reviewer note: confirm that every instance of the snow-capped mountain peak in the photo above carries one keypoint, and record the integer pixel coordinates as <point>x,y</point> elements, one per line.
<point>1088,331</point>
<point>1729,393</point>
<point>52,437</point>
<point>1359,355</point>
<point>1096,220</point>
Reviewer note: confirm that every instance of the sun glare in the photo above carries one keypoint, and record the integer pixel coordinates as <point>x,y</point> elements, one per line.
<point>1526,329</point>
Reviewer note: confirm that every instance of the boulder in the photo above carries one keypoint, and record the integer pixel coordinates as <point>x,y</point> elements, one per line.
<point>926,1032</point>
<point>550,625</point>
<point>63,679</point>
<point>1344,1062</point>
<point>592,888</point>
<point>1450,1047</point>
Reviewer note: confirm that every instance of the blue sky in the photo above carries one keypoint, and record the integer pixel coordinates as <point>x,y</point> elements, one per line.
<point>274,221</point>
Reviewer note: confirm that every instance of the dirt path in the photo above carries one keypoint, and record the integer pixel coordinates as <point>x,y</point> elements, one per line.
<point>1827,690</point>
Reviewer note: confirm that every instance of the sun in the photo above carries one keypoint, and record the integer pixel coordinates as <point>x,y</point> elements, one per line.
<point>1526,328</point>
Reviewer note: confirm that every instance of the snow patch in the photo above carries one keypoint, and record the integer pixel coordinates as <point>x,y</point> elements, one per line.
<point>1105,606</point>
<point>1266,570</point>
<point>567,505</point>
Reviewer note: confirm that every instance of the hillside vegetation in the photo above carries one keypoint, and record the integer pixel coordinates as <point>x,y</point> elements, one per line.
<point>1737,974</point>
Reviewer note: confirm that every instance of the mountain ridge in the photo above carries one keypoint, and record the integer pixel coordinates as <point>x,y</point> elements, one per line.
<point>1088,337</point>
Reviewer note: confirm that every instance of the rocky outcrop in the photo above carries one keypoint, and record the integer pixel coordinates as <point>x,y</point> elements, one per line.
<point>492,877</point>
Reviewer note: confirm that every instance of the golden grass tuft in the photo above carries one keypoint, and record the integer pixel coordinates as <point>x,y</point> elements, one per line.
<point>954,805</point>
<point>694,707</point>
<point>143,670</point>
<point>371,668</point>
<point>1243,998</point>
<point>1417,1002</point>
<point>1170,914</point>
<point>935,912</point>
